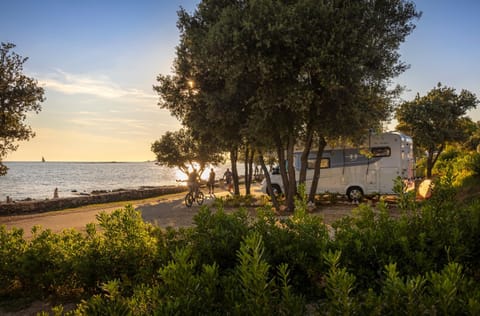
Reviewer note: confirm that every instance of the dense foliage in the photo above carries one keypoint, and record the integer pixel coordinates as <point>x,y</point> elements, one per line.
<point>268,75</point>
<point>436,119</point>
<point>19,94</point>
<point>424,262</point>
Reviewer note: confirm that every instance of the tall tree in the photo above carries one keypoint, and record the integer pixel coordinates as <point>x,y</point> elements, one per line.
<point>324,69</point>
<point>435,119</point>
<point>217,111</point>
<point>19,94</point>
<point>284,72</point>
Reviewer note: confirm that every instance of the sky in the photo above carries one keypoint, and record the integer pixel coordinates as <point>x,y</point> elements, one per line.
<point>98,61</point>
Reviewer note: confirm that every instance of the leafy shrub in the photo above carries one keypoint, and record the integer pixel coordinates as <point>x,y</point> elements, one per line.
<point>298,241</point>
<point>12,248</point>
<point>406,199</point>
<point>424,262</point>
<point>253,275</point>
<point>403,297</point>
<point>369,240</point>
<point>125,250</point>
<point>339,288</point>
<point>49,263</point>
<point>474,164</point>
<point>258,291</point>
<point>217,236</point>
<point>185,290</point>
<point>110,303</point>
<point>459,165</point>
<point>235,201</point>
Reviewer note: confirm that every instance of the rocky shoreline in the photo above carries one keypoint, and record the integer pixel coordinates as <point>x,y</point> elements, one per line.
<point>99,197</point>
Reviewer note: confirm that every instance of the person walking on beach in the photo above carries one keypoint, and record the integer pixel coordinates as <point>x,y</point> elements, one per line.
<point>228,179</point>
<point>211,182</point>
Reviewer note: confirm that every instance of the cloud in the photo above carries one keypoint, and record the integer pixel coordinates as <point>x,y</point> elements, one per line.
<point>118,125</point>
<point>100,86</point>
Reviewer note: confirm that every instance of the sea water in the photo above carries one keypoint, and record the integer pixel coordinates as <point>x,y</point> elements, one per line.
<point>38,180</point>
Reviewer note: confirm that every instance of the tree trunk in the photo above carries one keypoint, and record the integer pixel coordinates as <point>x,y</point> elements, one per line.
<point>304,159</point>
<point>233,160</point>
<point>429,165</point>
<point>269,182</point>
<point>292,183</point>
<point>282,167</point>
<point>433,154</point>
<point>245,166</point>
<point>316,174</point>
<point>250,172</point>
<point>248,169</point>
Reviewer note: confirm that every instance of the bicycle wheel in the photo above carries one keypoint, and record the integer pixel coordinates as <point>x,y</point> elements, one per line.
<point>200,198</point>
<point>189,199</point>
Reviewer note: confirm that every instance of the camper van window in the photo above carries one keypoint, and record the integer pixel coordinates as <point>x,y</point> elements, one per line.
<point>324,163</point>
<point>381,151</point>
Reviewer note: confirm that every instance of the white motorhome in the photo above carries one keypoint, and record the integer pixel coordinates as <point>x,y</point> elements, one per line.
<point>358,171</point>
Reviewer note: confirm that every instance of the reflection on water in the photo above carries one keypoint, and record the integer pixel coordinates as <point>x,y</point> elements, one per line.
<point>38,180</point>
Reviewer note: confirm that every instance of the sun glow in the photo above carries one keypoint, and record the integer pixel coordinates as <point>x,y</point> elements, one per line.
<point>181,176</point>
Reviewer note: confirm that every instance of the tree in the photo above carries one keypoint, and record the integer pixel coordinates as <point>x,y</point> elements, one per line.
<point>19,94</point>
<point>473,130</point>
<point>322,69</point>
<point>436,119</point>
<point>204,93</point>
<point>181,150</point>
<point>282,73</point>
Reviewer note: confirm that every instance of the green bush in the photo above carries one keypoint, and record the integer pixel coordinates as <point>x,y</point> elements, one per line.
<point>125,250</point>
<point>217,236</point>
<point>474,164</point>
<point>49,263</point>
<point>424,262</point>
<point>187,289</point>
<point>12,248</point>
<point>369,240</point>
<point>459,164</point>
<point>298,241</point>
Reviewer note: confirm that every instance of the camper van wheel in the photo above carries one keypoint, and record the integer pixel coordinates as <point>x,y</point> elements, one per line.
<point>355,194</point>
<point>276,189</point>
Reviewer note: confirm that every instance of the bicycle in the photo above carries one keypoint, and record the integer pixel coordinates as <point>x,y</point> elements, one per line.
<point>190,198</point>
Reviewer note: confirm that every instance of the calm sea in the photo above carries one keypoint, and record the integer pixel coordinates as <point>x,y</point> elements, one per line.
<point>38,180</point>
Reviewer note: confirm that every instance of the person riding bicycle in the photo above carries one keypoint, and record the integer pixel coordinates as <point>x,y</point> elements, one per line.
<point>193,182</point>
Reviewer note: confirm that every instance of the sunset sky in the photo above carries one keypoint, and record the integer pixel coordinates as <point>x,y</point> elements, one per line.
<point>98,60</point>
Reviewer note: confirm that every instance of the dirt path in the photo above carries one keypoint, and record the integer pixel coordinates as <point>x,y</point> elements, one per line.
<point>168,210</point>
<point>163,211</point>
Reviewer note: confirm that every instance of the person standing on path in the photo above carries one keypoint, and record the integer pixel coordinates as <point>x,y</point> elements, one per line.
<point>228,179</point>
<point>211,182</point>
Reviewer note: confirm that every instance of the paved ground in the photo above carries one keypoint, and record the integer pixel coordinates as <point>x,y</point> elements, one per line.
<point>169,210</point>
<point>164,211</point>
